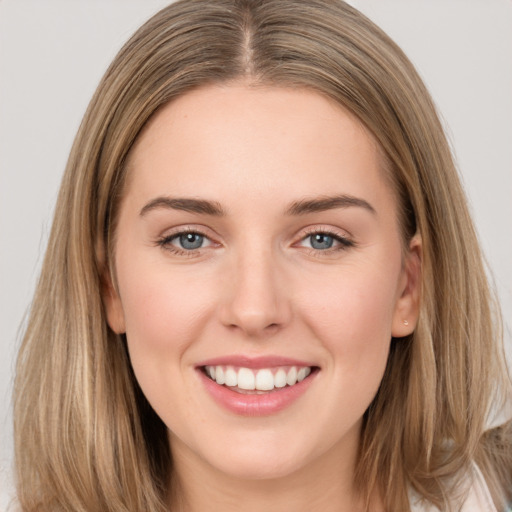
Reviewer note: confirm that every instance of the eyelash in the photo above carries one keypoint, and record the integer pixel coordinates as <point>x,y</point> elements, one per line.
<point>343,242</point>
<point>166,242</point>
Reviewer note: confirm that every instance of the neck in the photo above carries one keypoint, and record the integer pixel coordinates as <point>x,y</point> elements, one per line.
<point>325,484</point>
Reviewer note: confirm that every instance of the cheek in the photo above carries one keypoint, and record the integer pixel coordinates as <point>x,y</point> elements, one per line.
<point>164,311</point>
<point>165,314</point>
<point>351,301</point>
<point>352,316</point>
<point>349,317</point>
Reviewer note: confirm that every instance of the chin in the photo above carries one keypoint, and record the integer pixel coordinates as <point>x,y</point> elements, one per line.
<point>259,468</point>
<point>267,458</point>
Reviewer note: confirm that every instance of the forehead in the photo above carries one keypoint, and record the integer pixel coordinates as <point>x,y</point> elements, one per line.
<point>256,141</point>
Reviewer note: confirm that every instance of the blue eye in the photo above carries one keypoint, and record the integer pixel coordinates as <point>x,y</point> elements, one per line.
<point>185,242</point>
<point>190,241</point>
<point>321,241</point>
<point>324,241</point>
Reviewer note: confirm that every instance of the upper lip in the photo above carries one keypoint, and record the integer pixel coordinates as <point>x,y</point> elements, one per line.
<point>253,362</point>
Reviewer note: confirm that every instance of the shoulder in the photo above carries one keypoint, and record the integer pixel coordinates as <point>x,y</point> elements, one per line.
<point>477,499</point>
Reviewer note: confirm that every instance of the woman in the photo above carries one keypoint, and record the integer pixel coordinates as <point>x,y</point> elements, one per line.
<point>262,286</point>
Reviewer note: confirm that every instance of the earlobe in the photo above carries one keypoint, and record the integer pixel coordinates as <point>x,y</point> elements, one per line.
<point>407,306</point>
<point>112,303</point>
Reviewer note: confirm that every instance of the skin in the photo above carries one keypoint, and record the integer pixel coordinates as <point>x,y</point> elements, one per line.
<point>258,287</point>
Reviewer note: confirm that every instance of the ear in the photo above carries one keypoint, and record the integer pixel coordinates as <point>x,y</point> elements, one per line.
<point>113,306</point>
<point>407,306</point>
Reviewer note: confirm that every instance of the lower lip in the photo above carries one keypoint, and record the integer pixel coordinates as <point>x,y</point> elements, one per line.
<point>253,404</point>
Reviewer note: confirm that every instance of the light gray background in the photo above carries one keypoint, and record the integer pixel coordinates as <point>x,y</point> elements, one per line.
<point>53,53</point>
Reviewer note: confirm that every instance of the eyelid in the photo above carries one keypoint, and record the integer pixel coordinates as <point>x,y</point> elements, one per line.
<point>326,229</point>
<point>344,239</point>
<point>165,240</point>
<point>173,239</point>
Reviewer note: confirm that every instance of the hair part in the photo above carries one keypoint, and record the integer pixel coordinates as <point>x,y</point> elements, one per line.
<point>85,436</point>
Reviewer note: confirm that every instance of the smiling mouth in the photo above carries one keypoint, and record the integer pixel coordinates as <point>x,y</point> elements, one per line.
<point>257,381</point>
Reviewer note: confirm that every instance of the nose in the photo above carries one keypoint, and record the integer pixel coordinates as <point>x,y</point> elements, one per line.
<point>256,300</point>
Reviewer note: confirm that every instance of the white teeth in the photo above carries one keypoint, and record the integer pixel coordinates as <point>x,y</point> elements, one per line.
<point>230,377</point>
<point>219,375</point>
<point>280,378</point>
<point>291,377</point>
<point>246,379</point>
<point>303,373</point>
<point>264,379</point>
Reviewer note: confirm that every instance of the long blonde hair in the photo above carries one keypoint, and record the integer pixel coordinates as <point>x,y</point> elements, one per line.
<point>86,438</point>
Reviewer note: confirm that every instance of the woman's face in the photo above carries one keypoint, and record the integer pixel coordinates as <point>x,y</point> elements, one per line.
<point>258,242</point>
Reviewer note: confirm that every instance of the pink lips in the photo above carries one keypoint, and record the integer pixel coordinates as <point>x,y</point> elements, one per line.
<point>255,404</point>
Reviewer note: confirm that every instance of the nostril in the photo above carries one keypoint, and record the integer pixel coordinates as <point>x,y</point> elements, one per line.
<point>255,330</point>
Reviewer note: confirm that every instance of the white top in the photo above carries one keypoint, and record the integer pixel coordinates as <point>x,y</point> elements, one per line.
<point>478,499</point>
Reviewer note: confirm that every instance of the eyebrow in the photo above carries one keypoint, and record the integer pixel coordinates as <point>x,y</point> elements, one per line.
<point>325,203</point>
<point>200,206</point>
<point>302,207</point>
